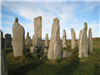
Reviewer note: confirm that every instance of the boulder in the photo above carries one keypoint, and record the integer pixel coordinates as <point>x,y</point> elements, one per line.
<point>65,54</point>
<point>33,49</point>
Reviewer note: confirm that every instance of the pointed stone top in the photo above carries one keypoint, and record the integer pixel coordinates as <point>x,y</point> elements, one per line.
<point>40,16</point>
<point>55,19</point>
<point>72,29</point>
<point>85,24</point>
<point>27,32</point>
<point>90,30</point>
<point>64,31</point>
<point>16,19</point>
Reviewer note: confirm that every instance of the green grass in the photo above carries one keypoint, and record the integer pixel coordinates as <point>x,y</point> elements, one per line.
<point>32,65</point>
<point>96,40</point>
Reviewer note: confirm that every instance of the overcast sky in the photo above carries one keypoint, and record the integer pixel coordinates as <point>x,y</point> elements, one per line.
<point>72,14</point>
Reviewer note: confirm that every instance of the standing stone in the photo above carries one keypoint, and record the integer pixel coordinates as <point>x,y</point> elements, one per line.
<point>8,39</point>
<point>64,45</point>
<point>90,41</point>
<point>30,39</point>
<point>79,37</point>
<point>33,49</point>
<point>18,41</point>
<point>65,54</point>
<point>37,31</point>
<point>4,68</point>
<point>73,40</point>
<point>44,49</point>
<point>46,40</point>
<point>33,41</point>
<point>42,43</point>
<point>27,39</point>
<point>54,51</point>
<point>83,43</point>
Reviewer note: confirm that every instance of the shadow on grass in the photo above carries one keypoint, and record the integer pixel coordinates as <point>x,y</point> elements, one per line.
<point>26,68</point>
<point>97,69</point>
<point>9,50</point>
<point>27,50</point>
<point>68,47</point>
<point>69,69</point>
<point>76,47</point>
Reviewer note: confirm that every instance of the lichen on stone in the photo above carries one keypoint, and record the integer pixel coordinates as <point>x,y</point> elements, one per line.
<point>56,19</point>
<point>16,19</point>
<point>85,24</point>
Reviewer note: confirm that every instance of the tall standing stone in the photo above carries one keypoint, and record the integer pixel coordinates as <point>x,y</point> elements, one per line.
<point>27,39</point>
<point>73,40</point>
<point>33,41</point>
<point>64,45</point>
<point>83,43</point>
<point>90,41</point>
<point>54,51</point>
<point>38,31</point>
<point>4,68</point>
<point>8,39</point>
<point>46,40</point>
<point>18,41</point>
<point>79,37</point>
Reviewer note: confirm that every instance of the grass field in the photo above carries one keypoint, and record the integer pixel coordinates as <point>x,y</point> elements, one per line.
<point>32,65</point>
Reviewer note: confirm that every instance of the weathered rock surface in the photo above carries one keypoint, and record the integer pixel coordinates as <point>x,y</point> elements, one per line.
<point>46,40</point>
<point>36,54</point>
<point>83,43</point>
<point>18,41</point>
<point>37,31</point>
<point>79,37</point>
<point>65,54</point>
<point>54,51</point>
<point>8,39</point>
<point>27,39</point>
<point>44,49</point>
<point>33,49</point>
<point>64,45</point>
<point>42,43</point>
<point>4,68</point>
<point>90,41</point>
<point>73,40</point>
<point>33,41</point>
